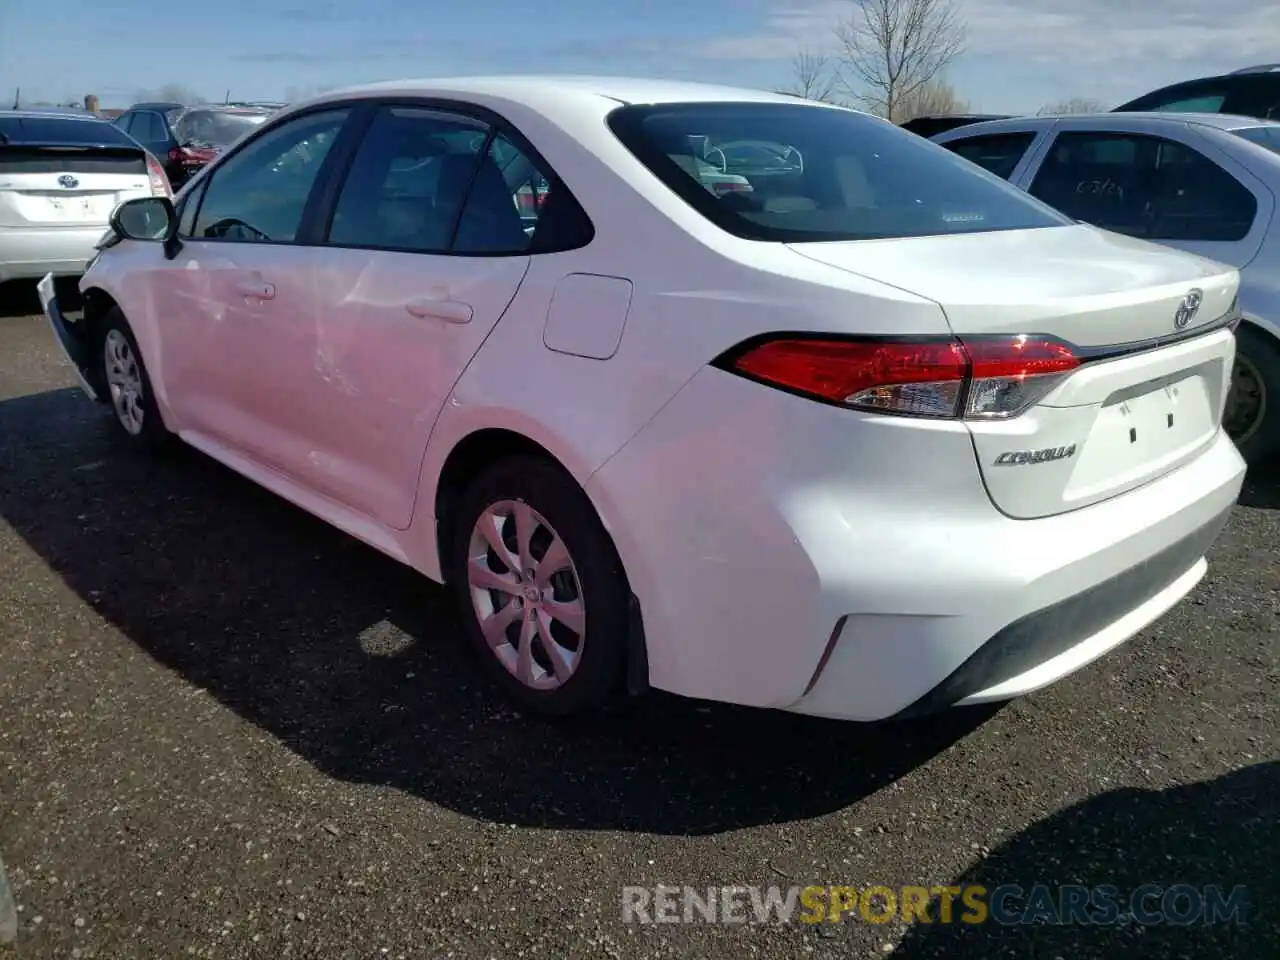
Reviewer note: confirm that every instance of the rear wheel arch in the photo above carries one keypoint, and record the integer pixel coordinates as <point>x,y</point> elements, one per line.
<point>469,457</point>
<point>473,455</point>
<point>1262,345</point>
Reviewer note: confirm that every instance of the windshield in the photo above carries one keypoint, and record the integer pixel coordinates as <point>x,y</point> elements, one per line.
<point>56,130</point>
<point>819,173</point>
<point>1268,137</point>
<point>215,128</point>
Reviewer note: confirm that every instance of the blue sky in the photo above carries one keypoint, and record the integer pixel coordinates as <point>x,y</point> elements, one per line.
<point>1021,54</point>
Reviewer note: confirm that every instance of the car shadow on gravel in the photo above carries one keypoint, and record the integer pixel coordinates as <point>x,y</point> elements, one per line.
<point>1221,832</point>
<point>355,662</point>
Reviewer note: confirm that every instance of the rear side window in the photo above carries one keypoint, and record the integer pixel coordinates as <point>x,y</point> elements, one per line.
<point>148,127</point>
<point>996,152</point>
<point>1207,104</point>
<point>426,181</point>
<point>1195,97</point>
<point>408,180</point>
<point>1268,137</point>
<point>1145,187</point>
<point>813,173</point>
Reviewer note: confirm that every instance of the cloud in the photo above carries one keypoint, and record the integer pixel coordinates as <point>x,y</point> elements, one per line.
<point>286,56</point>
<point>1047,31</point>
<point>312,13</point>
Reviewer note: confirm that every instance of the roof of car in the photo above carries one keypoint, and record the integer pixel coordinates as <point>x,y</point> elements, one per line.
<point>54,113</point>
<point>1220,121</point>
<point>538,88</point>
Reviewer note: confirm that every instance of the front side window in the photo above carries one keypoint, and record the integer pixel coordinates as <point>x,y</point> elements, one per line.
<point>259,194</point>
<point>1145,187</point>
<point>996,152</point>
<point>820,174</point>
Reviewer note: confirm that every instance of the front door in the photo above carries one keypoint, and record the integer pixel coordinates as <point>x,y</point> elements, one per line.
<point>426,249</point>
<point>235,307</point>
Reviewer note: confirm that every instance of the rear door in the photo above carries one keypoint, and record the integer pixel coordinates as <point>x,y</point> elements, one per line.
<point>427,244</point>
<point>66,173</point>
<point>1174,187</point>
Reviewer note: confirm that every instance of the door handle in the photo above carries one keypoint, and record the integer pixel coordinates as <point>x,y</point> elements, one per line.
<point>256,290</point>
<point>450,311</point>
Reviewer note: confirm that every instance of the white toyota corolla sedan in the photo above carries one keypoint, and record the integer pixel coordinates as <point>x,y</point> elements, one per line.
<point>877,436</point>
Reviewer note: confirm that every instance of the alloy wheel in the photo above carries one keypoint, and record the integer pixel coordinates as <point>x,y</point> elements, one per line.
<point>124,381</point>
<point>526,594</point>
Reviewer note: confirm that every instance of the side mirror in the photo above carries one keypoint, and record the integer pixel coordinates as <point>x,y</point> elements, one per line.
<point>145,218</point>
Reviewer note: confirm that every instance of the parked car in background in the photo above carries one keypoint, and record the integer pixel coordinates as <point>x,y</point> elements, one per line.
<point>933,125</point>
<point>1206,183</point>
<point>61,175</point>
<point>1249,92</point>
<point>859,449</point>
<point>187,138</point>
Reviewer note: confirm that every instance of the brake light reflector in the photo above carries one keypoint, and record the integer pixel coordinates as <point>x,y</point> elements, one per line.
<point>159,179</point>
<point>989,378</point>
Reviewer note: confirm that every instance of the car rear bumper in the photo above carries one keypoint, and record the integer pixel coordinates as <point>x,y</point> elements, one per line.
<point>28,253</point>
<point>793,555</point>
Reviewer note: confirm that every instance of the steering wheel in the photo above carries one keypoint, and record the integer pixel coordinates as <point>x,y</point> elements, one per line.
<point>724,161</point>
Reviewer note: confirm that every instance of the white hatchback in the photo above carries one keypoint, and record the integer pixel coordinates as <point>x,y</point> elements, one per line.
<point>878,436</point>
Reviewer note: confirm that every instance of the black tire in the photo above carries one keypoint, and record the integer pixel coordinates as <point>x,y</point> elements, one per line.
<point>1259,353</point>
<point>596,682</point>
<point>152,435</point>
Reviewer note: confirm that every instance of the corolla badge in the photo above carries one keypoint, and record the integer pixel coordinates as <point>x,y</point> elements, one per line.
<point>1188,309</point>
<point>68,181</point>
<point>1018,458</point>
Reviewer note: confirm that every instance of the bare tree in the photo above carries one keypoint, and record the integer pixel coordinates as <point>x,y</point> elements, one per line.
<point>895,47</point>
<point>1074,105</point>
<point>814,77</point>
<point>937,98</point>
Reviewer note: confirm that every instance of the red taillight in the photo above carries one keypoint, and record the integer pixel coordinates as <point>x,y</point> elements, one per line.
<point>990,378</point>
<point>159,179</point>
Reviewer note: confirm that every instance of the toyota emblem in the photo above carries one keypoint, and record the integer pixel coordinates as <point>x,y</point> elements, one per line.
<point>1188,309</point>
<point>68,181</point>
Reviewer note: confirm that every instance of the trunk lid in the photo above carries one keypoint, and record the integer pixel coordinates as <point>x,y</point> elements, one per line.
<point>1149,396</point>
<point>68,186</point>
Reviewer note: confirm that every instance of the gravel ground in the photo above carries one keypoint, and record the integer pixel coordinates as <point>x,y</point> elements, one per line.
<point>229,731</point>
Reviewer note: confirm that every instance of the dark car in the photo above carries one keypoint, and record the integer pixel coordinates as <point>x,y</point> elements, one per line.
<point>1248,92</point>
<point>932,126</point>
<point>187,138</point>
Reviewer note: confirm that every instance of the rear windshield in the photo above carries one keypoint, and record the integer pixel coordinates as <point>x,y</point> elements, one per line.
<point>1266,136</point>
<point>817,173</point>
<point>59,130</point>
<point>215,128</point>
